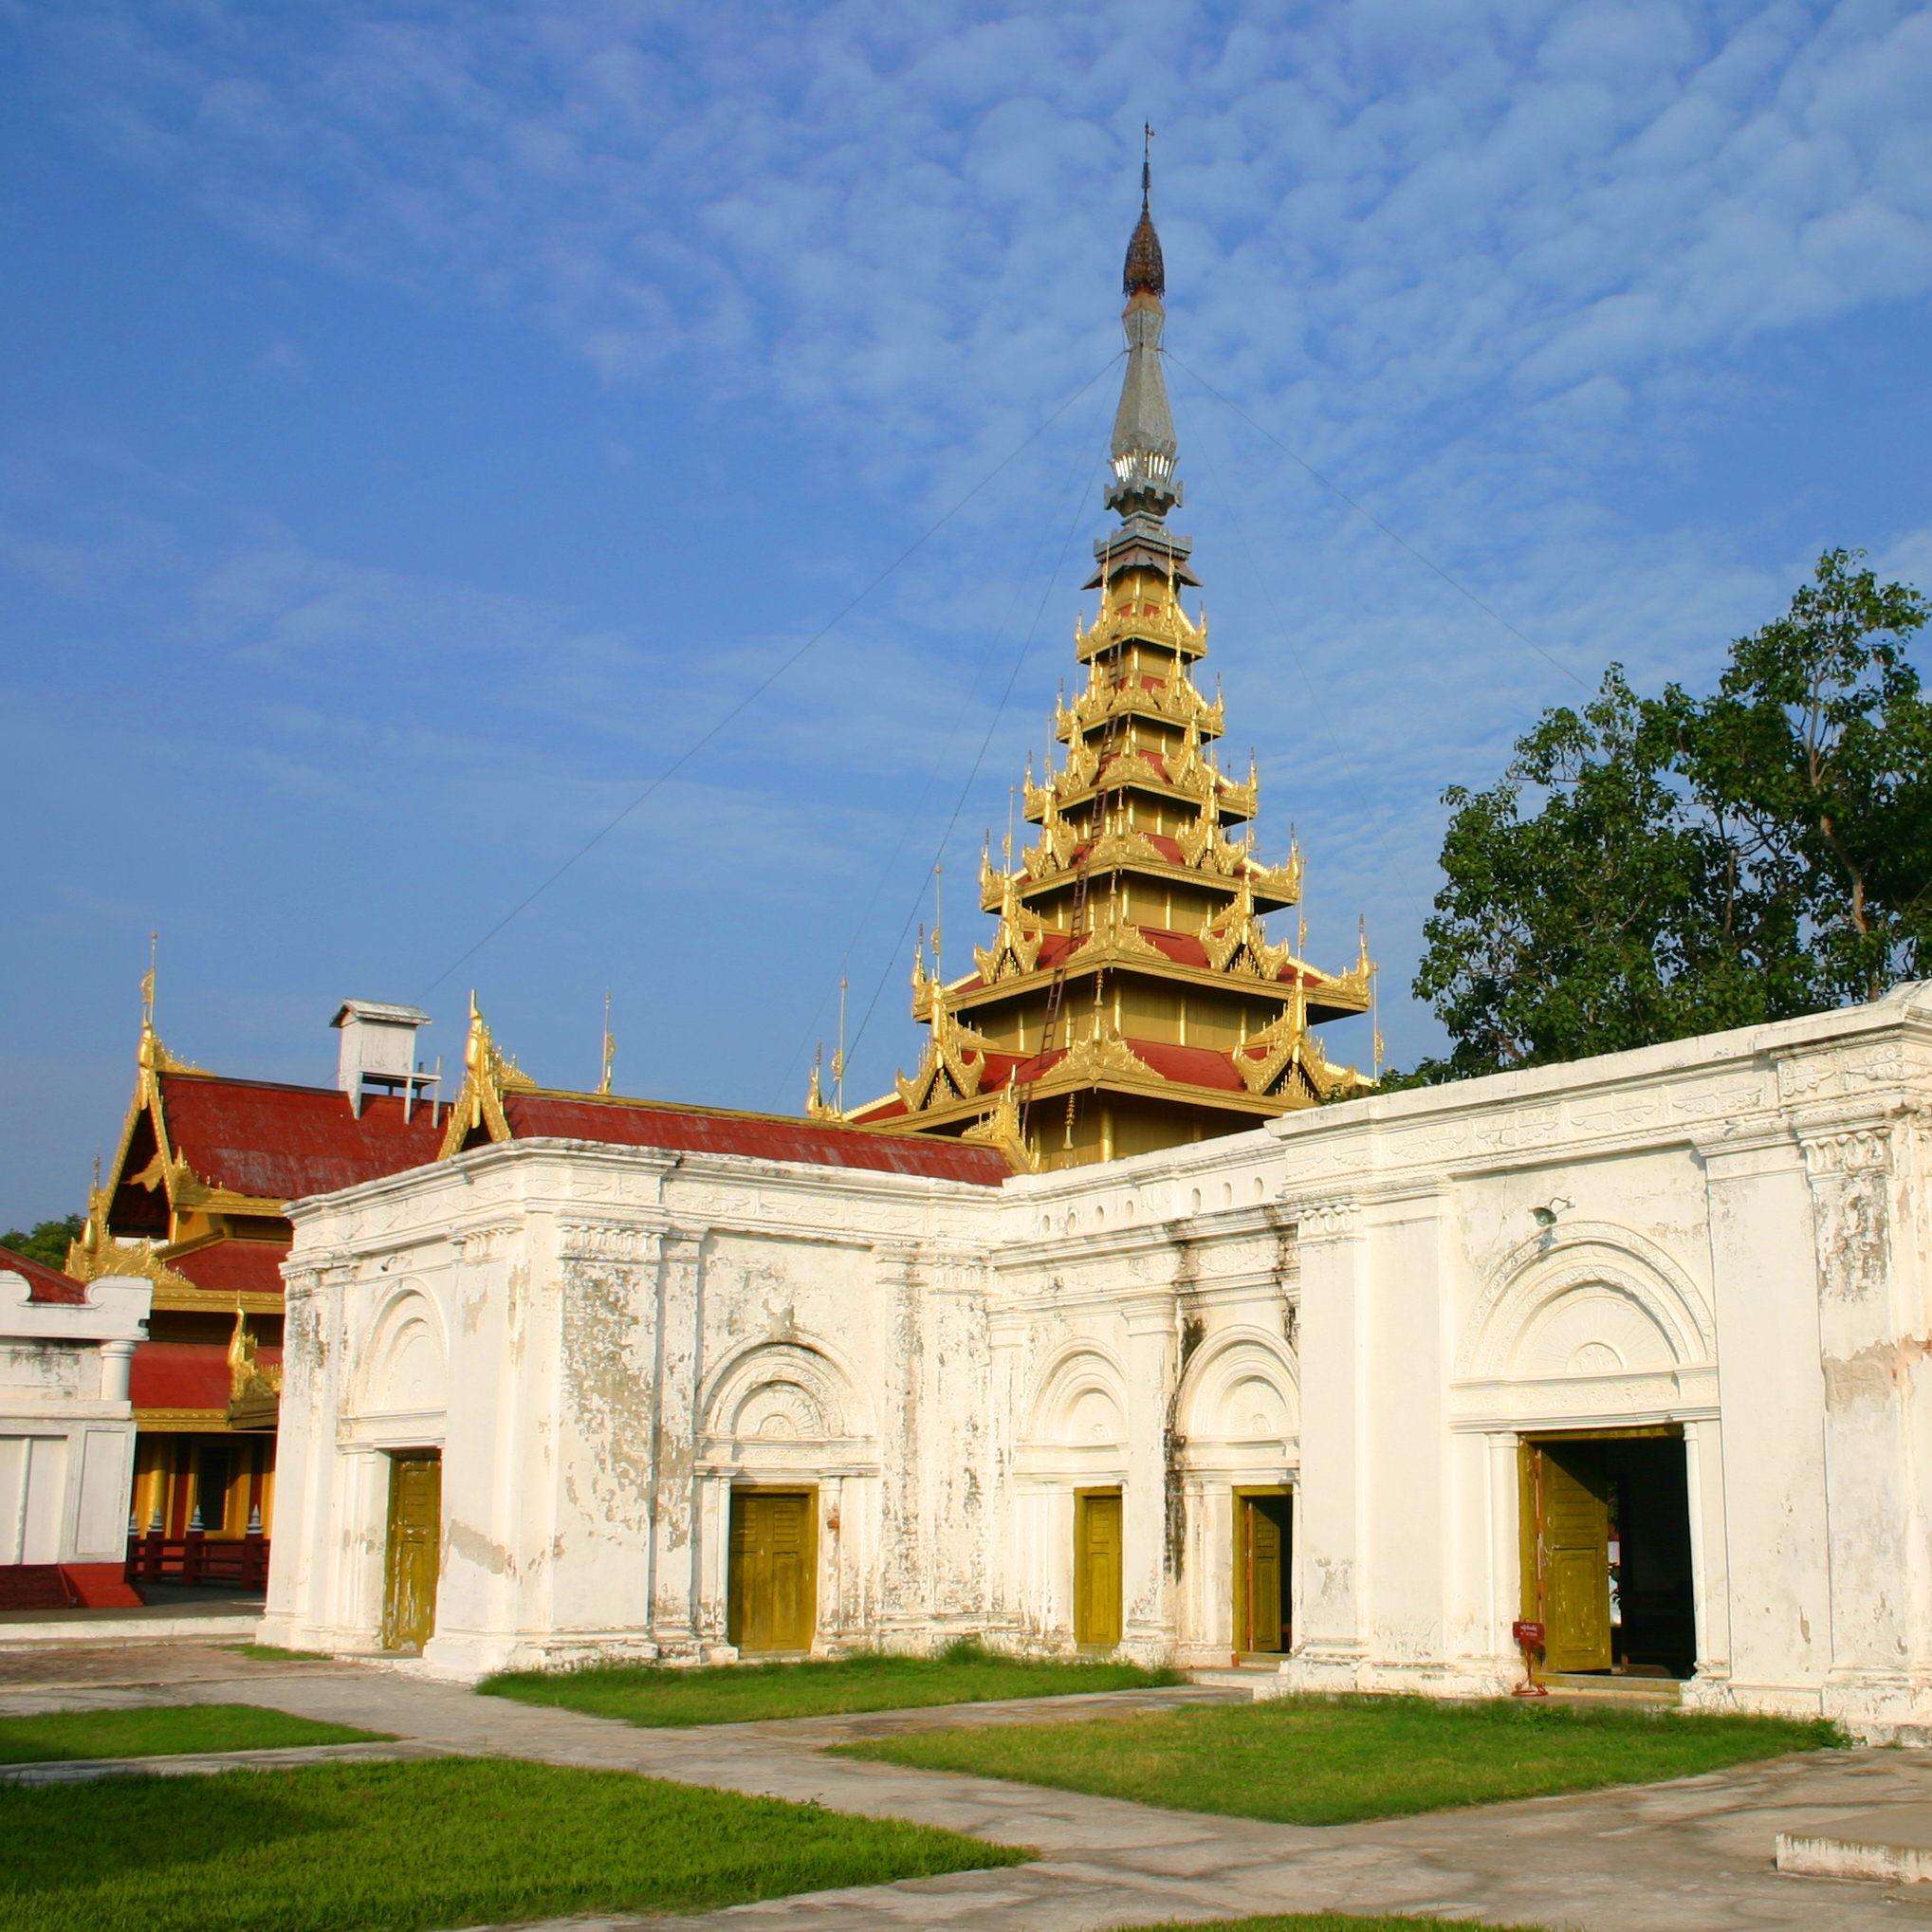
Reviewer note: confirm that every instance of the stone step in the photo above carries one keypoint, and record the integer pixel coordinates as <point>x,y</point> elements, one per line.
<point>1890,1843</point>
<point>1580,1683</point>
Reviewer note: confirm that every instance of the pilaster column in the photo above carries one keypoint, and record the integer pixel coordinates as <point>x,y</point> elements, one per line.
<point>680,1552</point>
<point>116,1366</point>
<point>1867,1273</point>
<point>1331,1640</point>
<point>901,1527</point>
<point>1152,1508</point>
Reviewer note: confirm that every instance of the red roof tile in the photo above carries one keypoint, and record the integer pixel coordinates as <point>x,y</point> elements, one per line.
<point>763,1137</point>
<point>185,1374</point>
<point>280,1143</point>
<point>233,1267</point>
<point>45,1283</point>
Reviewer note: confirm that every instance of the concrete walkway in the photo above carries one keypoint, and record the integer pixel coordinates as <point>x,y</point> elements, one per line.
<point>1691,1856</point>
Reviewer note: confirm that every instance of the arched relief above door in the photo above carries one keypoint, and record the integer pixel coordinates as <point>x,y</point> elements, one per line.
<point>1241,1388</point>
<point>406,1358</point>
<point>785,1392</point>
<point>1587,1298</point>
<point>1080,1401</point>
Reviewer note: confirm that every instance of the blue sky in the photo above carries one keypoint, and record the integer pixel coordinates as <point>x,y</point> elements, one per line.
<point>423,422</point>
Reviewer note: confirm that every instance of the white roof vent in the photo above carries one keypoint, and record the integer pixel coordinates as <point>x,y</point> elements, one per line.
<point>378,1053</point>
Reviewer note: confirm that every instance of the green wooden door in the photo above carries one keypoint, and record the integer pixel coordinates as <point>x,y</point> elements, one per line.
<point>1097,1568</point>
<point>1573,1557</point>
<point>1261,1606</point>
<point>771,1600</point>
<point>415,1550</point>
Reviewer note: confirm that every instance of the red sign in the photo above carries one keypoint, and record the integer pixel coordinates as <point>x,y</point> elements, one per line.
<point>1529,1636</point>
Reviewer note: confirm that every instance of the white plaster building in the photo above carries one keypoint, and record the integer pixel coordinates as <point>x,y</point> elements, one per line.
<point>66,1426</point>
<point>1431,1355</point>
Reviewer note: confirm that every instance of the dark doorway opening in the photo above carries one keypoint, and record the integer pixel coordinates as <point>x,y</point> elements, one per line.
<point>1607,1560</point>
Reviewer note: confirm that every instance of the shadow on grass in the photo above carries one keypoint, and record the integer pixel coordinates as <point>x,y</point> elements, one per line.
<point>411,1847</point>
<point>656,1694</point>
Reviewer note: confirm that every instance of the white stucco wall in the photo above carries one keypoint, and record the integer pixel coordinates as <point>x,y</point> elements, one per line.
<point>1370,1304</point>
<point>66,1428</point>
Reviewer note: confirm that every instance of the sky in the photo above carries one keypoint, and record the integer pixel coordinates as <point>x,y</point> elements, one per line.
<point>428,431</point>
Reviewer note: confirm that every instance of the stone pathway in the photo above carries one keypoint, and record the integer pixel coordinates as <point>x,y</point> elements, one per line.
<point>1691,1856</point>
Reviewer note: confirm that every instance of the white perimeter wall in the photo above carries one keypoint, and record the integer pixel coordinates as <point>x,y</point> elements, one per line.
<point>1370,1303</point>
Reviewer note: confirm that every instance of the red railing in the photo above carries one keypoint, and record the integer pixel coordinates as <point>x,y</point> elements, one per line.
<point>241,1563</point>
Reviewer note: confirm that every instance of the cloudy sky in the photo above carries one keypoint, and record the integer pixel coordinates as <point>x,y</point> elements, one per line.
<point>424,423</point>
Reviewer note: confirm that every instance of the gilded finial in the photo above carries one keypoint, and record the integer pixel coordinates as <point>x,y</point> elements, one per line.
<point>1145,270</point>
<point>603,1085</point>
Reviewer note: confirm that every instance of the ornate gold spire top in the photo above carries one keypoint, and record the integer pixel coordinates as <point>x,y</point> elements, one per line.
<point>1145,486</point>
<point>1145,270</point>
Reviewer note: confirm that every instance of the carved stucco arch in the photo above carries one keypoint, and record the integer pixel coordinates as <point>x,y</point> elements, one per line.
<point>1574,1258</point>
<point>1079,1383</point>
<point>802,1383</point>
<point>406,1358</point>
<point>1211,1404</point>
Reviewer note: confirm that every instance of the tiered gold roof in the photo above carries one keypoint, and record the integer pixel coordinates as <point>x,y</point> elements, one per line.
<point>1129,997</point>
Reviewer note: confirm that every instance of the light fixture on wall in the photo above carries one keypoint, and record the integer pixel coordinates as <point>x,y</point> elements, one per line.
<point>1546,1215</point>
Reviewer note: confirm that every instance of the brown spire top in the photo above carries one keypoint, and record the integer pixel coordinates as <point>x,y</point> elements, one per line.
<point>1145,268</point>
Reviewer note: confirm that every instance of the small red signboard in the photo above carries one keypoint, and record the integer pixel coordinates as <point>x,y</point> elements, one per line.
<point>1530,1636</point>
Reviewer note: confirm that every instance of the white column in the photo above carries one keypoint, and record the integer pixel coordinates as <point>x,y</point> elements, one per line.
<point>1329,1638</point>
<point>116,1366</point>
<point>1151,1530</point>
<point>679,1530</point>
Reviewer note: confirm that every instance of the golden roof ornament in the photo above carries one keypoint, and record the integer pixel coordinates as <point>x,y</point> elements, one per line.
<point>1128,996</point>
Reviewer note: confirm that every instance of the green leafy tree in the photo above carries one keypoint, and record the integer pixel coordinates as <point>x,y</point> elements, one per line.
<point>1649,868</point>
<point>46,1243</point>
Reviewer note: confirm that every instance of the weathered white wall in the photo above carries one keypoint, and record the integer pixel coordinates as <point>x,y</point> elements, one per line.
<point>66,1428</point>
<point>1370,1303</point>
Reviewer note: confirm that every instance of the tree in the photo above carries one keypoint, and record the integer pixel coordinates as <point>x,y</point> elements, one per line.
<point>1649,868</point>
<point>47,1242</point>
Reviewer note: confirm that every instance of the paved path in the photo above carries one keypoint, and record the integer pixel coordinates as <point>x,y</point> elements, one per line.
<point>1691,1856</point>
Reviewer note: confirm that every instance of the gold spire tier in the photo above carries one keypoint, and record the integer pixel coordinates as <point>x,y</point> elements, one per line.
<point>1129,997</point>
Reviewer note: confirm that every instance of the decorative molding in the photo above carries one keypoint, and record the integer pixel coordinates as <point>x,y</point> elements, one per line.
<point>1338,1218</point>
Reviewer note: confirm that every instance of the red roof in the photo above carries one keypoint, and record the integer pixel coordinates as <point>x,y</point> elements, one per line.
<point>45,1283</point>
<point>235,1267</point>
<point>280,1143</point>
<point>185,1374</point>
<point>761,1136</point>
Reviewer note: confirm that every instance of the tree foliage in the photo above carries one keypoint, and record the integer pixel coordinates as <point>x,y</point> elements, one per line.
<point>46,1243</point>
<point>1649,868</point>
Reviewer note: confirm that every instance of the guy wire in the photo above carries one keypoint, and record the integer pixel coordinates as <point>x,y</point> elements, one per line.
<point>764,684</point>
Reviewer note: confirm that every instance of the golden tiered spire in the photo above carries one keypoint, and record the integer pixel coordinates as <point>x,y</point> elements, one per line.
<point>1128,997</point>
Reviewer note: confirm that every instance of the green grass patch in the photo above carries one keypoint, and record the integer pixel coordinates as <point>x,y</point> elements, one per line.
<point>164,1730</point>
<point>738,1693</point>
<point>411,1847</point>
<point>1321,1761</point>
<point>273,1653</point>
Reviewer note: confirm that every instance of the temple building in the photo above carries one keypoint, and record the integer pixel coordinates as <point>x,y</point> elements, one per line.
<point>196,1204</point>
<point>1130,998</point>
<point>1098,1336</point>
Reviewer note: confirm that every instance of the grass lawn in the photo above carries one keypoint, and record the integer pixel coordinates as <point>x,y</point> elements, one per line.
<point>737,1693</point>
<point>273,1653</point>
<point>413,1846</point>
<point>162,1731</point>
<point>1317,1760</point>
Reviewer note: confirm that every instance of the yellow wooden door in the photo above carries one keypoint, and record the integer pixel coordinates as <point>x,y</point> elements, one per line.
<point>415,1550</point>
<point>1097,1568</point>
<point>1573,1560</point>
<point>1261,1617</point>
<point>771,1601</point>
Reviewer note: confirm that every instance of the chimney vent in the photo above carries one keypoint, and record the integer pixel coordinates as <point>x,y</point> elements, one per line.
<point>378,1053</point>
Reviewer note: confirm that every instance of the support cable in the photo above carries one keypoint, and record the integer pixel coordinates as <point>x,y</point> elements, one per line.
<point>764,684</point>
<point>1361,510</point>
